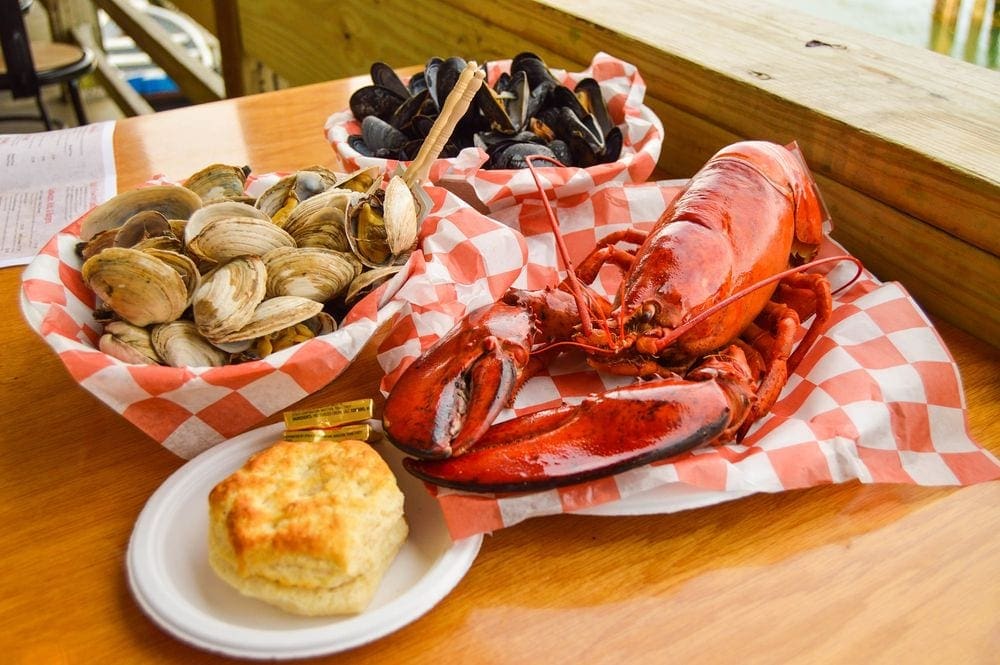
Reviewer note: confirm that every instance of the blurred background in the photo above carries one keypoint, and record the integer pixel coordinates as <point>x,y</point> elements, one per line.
<point>153,55</point>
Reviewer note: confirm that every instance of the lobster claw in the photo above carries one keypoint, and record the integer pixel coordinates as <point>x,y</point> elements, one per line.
<point>448,397</point>
<point>605,434</point>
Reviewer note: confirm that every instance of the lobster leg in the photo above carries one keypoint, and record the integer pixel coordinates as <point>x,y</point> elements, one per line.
<point>606,433</point>
<point>773,335</point>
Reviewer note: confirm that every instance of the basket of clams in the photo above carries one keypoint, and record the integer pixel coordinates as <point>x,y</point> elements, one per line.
<point>197,309</point>
<point>593,122</point>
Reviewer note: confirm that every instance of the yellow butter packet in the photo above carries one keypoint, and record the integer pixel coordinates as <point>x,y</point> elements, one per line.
<point>326,417</point>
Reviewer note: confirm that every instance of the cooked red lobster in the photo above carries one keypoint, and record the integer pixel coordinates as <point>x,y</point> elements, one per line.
<point>711,301</point>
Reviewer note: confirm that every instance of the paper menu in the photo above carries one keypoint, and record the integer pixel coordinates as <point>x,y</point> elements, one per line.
<point>47,180</point>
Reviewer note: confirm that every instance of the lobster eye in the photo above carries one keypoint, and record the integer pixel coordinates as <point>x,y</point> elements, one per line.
<point>648,312</point>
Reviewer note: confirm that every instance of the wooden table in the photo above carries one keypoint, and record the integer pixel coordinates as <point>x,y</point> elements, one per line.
<point>846,573</point>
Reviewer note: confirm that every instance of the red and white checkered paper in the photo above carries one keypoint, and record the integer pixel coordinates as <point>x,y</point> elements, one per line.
<point>623,90</point>
<point>878,399</point>
<point>466,260</point>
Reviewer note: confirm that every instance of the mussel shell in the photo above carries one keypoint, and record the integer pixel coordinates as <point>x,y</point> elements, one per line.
<point>588,91</point>
<point>418,104</point>
<point>534,67</point>
<point>512,154</point>
<point>385,76</point>
<point>374,100</point>
<point>137,286</point>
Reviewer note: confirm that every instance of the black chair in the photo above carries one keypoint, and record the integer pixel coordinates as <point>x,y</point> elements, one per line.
<point>27,66</point>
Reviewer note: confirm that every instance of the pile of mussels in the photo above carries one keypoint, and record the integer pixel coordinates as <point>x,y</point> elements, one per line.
<point>527,111</point>
<point>199,274</point>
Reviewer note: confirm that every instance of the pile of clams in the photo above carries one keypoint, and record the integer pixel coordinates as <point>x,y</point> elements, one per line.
<point>200,274</point>
<point>527,111</point>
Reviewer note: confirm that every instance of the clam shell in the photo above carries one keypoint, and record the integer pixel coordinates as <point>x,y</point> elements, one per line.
<point>219,210</point>
<point>182,263</point>
<point>310,272</point>
<point>128,343</point>
<point>219,182</point>
<point>368,281</point>
<point>319,221</point>
<point>225,300</point>
<point>141,227</point>
<point>137,286</point>
<point>382,228</point>
<point>174,201</point>
<point>180,345</point>
<point>281,197</point>
<point>223,239</point>
<point>399,211</point>
<point>363,181</point>
<point>275,314</point>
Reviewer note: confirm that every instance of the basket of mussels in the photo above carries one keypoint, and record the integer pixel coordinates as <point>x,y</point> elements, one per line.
<point>592,122</point>
<point>198,309</point>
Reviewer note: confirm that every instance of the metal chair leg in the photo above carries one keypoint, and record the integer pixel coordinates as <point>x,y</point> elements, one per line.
<point>41,109</point>
<point>74,95</point>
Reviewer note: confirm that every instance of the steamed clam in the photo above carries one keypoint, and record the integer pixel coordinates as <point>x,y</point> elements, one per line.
<point>382,227</point>
<point>200,275</point>
<point>139,287</point>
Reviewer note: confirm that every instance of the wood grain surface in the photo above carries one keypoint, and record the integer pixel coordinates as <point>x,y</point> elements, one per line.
<point>838,574</point>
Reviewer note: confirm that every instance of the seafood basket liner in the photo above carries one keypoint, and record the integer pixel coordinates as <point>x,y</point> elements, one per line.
<point>878,399</point>
<point>467,259</point>
<point>492,190</point>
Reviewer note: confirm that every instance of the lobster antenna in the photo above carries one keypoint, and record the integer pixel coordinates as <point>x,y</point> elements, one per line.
<point>742,293</point>
<point>574,282</point>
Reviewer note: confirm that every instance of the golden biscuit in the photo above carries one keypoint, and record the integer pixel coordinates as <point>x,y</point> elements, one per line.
<point>310,527</point>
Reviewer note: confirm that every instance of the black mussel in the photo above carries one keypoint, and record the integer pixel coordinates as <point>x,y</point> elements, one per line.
<point>613,142</point>
<point>586,148</point>
<point>385,76</point>
<point>418,104</point>
<point>588,92</point>
<point>512,154</point>
<point>446,76</point>
<point>380,136</point>
<point>561,151</point>
<point>431,75</point>
<point>358,144</point>
<point>417,83</point>
<point>374,100</point>
<point>534,67</point>
<point>494,110</point>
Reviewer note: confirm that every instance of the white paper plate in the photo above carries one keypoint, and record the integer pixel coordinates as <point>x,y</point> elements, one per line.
<point>668,498</point>
<point>169,574</point>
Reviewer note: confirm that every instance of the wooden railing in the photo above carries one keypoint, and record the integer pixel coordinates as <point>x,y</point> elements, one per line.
<point>77,20</point>
<point>903,141</point>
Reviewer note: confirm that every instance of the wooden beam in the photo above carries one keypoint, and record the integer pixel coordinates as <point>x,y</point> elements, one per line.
<point>197,82</point>
<point>110,77</point>
<point>903,140</point>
